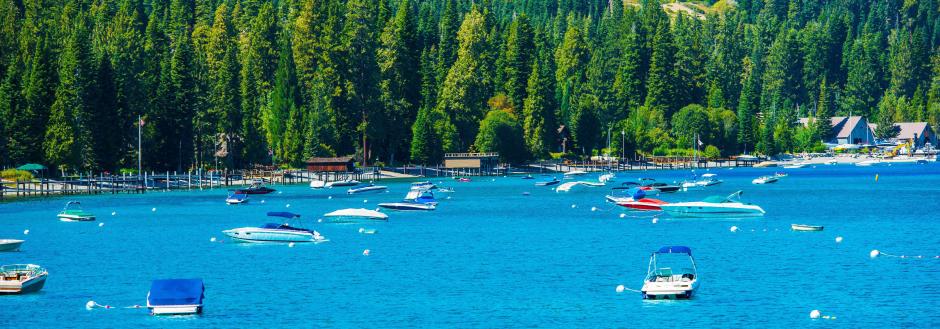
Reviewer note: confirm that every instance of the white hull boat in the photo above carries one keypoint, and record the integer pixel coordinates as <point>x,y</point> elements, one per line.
<point>237,199</point>
<point>273,232</point>
<point>408,206</point>
<point>664,281</point>
<point>354,215</point>
<point>714,207</point>
<point>73,213</point>
<point>574,173</point>
<point>317,184</point>
<point>10,244</point>
<point>21,278</point>
<point>765,180</point>
<point>343,183</point>
<point>806,228</point>
<point>176,297</point>
<point>367,189</point>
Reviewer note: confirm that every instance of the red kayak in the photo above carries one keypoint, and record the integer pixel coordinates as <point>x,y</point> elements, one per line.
<point>644,204</point>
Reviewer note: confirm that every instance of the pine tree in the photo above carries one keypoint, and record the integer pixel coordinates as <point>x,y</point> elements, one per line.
<point>628,84</point>
<point>67,142</point>
<point>571,60</point>
<point>360,75</point>
<point>224,100</point>
<point>660,82</point>
<point>539,112</point>
<point>465,91</point>
<point>519,49</point>
<point>823,125</point>
<point>400,78</point>
<point>426,148</point>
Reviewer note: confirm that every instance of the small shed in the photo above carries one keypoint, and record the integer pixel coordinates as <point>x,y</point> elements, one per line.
<point>334,164</point>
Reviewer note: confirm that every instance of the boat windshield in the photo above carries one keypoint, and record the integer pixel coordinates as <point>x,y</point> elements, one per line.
<point>675,267</point>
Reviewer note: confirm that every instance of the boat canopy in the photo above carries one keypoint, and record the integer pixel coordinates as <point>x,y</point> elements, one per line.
<point>675,250</point>
<point>176,292</point>
<point>639,194</point>
<point>723,199</point>
<point>283,214</point>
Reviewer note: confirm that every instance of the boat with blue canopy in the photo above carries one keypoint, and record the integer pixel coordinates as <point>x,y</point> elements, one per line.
<point>274,232</point>
<point>671,274</point>
<point>414,200</point>
<point>176,296</point>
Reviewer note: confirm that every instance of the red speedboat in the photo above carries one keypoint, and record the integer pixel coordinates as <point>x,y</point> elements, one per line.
<point>644,204</point>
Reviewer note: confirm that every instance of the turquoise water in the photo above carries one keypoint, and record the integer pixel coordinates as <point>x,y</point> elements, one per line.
<point>491,256</point>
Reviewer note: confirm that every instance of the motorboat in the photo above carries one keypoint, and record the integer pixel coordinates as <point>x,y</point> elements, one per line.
<point>463,179</point>
<point>236,198</point>
<point>256,187</point>
<point>10,244</point>
<point>796,165</point>
<point>176,296</point>
<point>273,232</point>
<point>708,180</point>
<point>867,163</point>
<point>779,175</point>
<point>606,177</point>
<point>662,187</point>
<point>414,200</point>
<point>574,173</point>
<point>765,180</point>
<point>569,185</point>
<point>630,187</point>
<point>806,228</point>
<point>21,278</point>
<point>671,274</point>
<point>528,177</point>
<point>554,181</point>
<point>714,206</point>
<point>443,189</point>
<point>73,213</point>
<point>317,184</point>
<point>426,185</point>
<point>644,204</point>
<point>349,182</point>
<point>371,188</point>
<point>354,215</point>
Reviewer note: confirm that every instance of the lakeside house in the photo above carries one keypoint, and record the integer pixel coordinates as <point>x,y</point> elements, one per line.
<point>920,133</point>
<point>848,130</point>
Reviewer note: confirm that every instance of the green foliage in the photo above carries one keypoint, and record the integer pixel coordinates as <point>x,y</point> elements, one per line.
<point>16,175</point>
<point>711,152</point>
<point>500,131</point>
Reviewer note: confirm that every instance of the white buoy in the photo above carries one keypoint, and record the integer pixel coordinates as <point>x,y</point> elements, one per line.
<point>365,201</point>
<point>655,220</point>
<point>525,193</point>
<point>100,224</point>
<point>153,209</point>
<point>90,305</point>
<point>113,213</point>
<point>447,198</point>
<point>623,215</point>
<point>212,239</point>
<point>620,288</point>
<point>838,239</point>
<point>262,201</point>
<point>365,252</point>
<point>288,205</point>
<point>593,208</point>
<point>328,198</point>
<point>362,230</point>
<point>733,229</point>
<point>574,206</point>
<point>25,232</point>
<point>874,253</point>
<point>814,314</point>
<point>320,220</point>
<point>290,245</point>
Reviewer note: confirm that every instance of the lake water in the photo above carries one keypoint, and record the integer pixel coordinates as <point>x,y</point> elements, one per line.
<point>490,256</point>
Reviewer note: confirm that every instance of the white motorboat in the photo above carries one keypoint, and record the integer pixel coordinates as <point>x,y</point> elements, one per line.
<point>867,163</point>
<point>236,198</point>
<point>796,165</point>
<point>606,177</point>
<point>765,180</point>
<point>714,206</point>
<point>273,232</point>
<point>414,200</point>
<point>427,185</point>
<point>10,244</point>
<point>566,187</point>
<point>664,280</point>
<point>574,173</point>
<point>708,180</point>
<point>353,215</point>
<point>21,278</point>
<point>176,296</point>
<point>367,189</point>
<point>317,184</point>
<point>73,213</point>
<point>806,228</point>
<point>349,182</point>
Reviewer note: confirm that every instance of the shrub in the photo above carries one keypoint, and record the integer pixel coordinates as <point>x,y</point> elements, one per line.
<point>711,152</point>
<point>16,175</point>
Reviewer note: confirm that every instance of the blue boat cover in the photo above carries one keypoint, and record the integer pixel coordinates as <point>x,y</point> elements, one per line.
<point>282,214</point>
<point>639,194</point>
<point>284,227</point>
<point>675,250</point>
<point>176,292</point>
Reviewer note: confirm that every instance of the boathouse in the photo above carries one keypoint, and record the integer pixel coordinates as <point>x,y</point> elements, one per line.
<point>478,162</point>
<point>847,130</point>
<point>334,164</point>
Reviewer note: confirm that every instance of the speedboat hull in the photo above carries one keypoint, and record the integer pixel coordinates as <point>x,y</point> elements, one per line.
<point>255,190</point>
<point>10,245</point>
<point>76,218</point>
<point>21,279</point>
<point>669,290</point>
<point>236,201</point>
<point>765,180</point>
<point>643,204</point>
<point>805,228</point>
<point>261,235</point>
<point>367,190</point>
<point>548,183</point>
<point>711,210</point>
<point>176,310</point>
<point>408,206</point>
